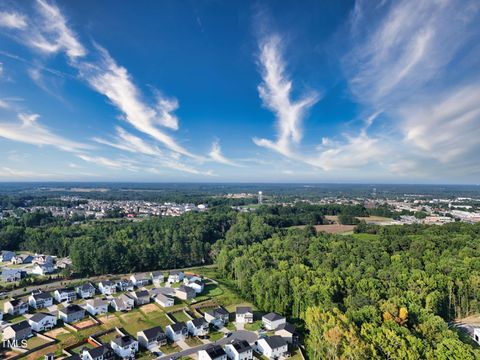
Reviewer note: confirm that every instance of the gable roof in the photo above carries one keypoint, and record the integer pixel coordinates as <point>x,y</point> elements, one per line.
<point>163,298</point>
<point>86,287</point>
<point>99,351</point>
<point>198,322</point>
<point>177,326</point>
<point>124,340</point>
<point>66,290</point>
<point>287,327</point>
<point>153,332</point>
<point>22,325</point>
<point>214,351</point>
<point>97,302</point>
<point>106,283</point>
<point>71,309</point>
<point>241,346</point>
<point>273,317</point>
<point>243,310</point>
<point>42,295</point>
<point>275,341</point>
<point>39,317</point>
<point>156,274</point>
<point>217,312</point>
<point>142,293</point>
<point>17,302</point>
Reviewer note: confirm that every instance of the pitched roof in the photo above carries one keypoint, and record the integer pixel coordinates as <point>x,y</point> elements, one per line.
<point>97,302</point>
<point>99,351</point>
<point>86,287</point>
<point>198,322</point>
<point>287,327</point>
<point>71,309</point>
<point>42,295</point>
<point>142,293</point>
<point>17,302</point>
<point>241,346</point>
<point>107,283</point>
<point>123,341</point>
<point>177,326</point>
<point>157,274</point>
<point>163,298</point>
<point>215,351</point>
<point>275,341</point>
<point>66,290</point>
<point>243,309</point>
<point>273,317</point>
<point>22,325</point>
<point>40,316</point>
<point>153,332</point>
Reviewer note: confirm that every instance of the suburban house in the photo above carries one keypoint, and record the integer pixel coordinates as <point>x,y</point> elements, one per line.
<point>152,337</point>
<point>41,259</point>
<point>125,346</point>
<point>6,255</point>
<point>97,306</point>
<point>67,294</point>
<point>43,269</point>
<point>167,291</point>
<point>198,327</point>
<point>164,301</point>
<point>141,297</point>
<point>123,303</point>
<point>272,321</point>
<point>22,259</point>
<point>196,285</point>
<point>86,291</point>
<point>140,280</point>
<point>42,321</point>
<point>157,277</point>
<point>11,275</point>
<point>273,347</point>
<point>239,350</point>
<point>217,317</point>
<point>17,331</point>
<point>175,276</point>
<point>64,263</point>
<point>476,335</point>
<point>188,278</point>
<point>72,313</point>
<point>244,314</point>
<point>15,307</point>
<point>212,352</point>
<point>177,331</point>
<point>289,333</point>
<point>104,352</point>
<point>184,292</point>
<point>107,287</point>
<point>40,300</point>
<point>125,285</point>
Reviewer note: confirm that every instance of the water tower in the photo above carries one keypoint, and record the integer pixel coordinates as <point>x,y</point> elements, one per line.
<point>260,197</point>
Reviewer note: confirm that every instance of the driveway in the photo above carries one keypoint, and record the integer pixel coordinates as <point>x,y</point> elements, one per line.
<point>249,336</point>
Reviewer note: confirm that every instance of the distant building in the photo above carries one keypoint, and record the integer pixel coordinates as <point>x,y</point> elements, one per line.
<point>6,255</point>
<point>107,287</point>
<point>18,331</point>
<point>260,197</point>
<point>175,276</point>
<point>217,317</point>
<point>42,322</point>
<point>125,346</point>
<point>176,331</point>
<point>97,306</point>
<point>15,307</point>
<point>72,313</point>
<point>239,350</point>
<point>244,315</point>
<point>273,347</point>
<point>40,300</point>
<point>272,321</point>
<point>67,294</point>
<point>152,337</point>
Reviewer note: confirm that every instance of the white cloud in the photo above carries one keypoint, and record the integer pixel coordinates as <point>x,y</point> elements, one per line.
<point>3,104</point>
<point>115,83</point>
<point>28,130</point>
<point>12,20</point>
<point>111,163</point>
<point>276,93</point>
<point>217,155</point>
<point>9,173</point>
<point>52,34</point>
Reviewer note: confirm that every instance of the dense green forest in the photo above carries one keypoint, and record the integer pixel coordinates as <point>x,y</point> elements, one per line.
<point>386,294</point>
<point>383,292</point>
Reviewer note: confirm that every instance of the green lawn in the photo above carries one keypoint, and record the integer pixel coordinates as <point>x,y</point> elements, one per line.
<point>255,326</point>
<point>365,236</point>
<point>180,316</point>
<point>35,341</point>
<point>13,319</point>
<point>215,335</point>
<point>170,348</point>
<point>193,341</point>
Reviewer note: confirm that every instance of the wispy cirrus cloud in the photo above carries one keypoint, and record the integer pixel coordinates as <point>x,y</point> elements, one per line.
<point>217,155</point>
<point>276,94</point>
<point>12,20</point>
<point>124,164</point>
<point>27,129</point>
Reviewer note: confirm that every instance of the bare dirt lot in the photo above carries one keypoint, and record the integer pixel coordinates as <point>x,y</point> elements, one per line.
<point>84,324</point>
<point>149,308</point>
<point>55,332</point>
<point>332,228</point>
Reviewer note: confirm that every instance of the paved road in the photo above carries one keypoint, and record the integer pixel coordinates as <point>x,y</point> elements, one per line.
<point>249,336</point>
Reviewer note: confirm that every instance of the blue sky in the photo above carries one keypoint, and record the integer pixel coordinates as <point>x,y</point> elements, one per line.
<point>336,91</point>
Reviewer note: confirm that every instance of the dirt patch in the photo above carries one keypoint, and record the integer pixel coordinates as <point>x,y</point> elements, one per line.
<point>55,332</point>
<point>334,228</point>
<point>110,319</point>
<point>41,353</point>
<point>149,308</point>
<point>473,320</point>
<point>84,324</point>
